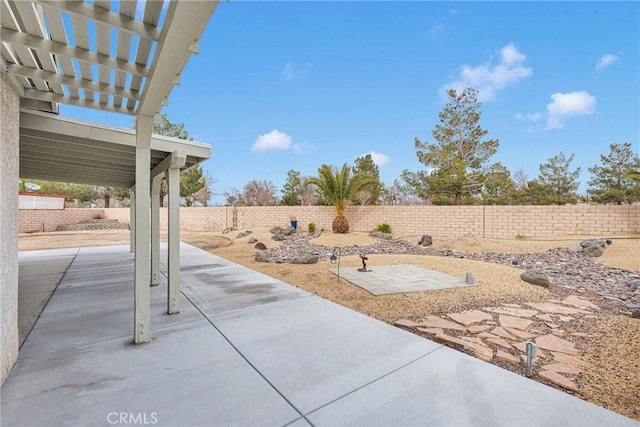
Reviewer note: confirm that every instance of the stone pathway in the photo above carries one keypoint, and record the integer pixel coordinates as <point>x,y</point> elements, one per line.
<point>500,334</point>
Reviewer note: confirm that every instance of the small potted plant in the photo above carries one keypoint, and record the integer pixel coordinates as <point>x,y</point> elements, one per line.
<point>294,221</point>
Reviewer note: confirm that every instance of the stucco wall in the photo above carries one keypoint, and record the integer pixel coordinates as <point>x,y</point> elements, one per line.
<point>9,137</point>
<point>497,222</point>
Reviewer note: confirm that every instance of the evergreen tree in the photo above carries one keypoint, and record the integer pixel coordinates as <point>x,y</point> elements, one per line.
<point>613,180</point>
<point>458,159</point>
<point>293,189</point>
<point>191,182</point>
<point>370,194</point>
<point>556,183</point>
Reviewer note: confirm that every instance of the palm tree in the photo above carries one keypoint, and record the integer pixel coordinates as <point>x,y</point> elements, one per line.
<point>337,188</point>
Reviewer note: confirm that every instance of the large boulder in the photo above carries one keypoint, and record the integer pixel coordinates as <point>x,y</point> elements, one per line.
<point>594,250</point>
<point>380,235</point>
<point>536,276</point>
<point>261,257</point>
<point>252,240</point>
<point>305,259</point>
<point>576,247</point>
<point>592,242</point>
<point>426,240</point>
<point>261,246</point>
<point>278,237</point>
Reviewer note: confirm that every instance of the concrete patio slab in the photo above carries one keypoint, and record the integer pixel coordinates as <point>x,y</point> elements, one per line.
<point>448,388</point>
<point>252,351</point>
<point>188,376</point>
<point>394,279</point>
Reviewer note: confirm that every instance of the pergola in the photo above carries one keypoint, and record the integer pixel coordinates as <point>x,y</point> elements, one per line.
<point>103,55</point>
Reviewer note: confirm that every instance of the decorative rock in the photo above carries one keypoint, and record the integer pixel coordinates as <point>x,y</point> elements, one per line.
<point>406,323</point>
<point>432,331</point>
<point>380,235</point>
<point>476,329</point>
<point>469,317</point>
<point>507,357</point>
<point>579,302</point>
<point>226,230</point>
<point>276,230</point>
<point>519,312</point>
<point>592,242</point>
<point>554,343</point>
<point>515,322</point>
<point>594,251</point>
<point>536,276</point>
<point>480,350</point>
<point>500,342</point>
<point>501,332</point>
<point>241,235</point>
<point>558,379</point>
<point>520,334</point>
<point>260,246</point>
<point>571,360</point>
<point>306,259</point>
<point>426,240</point>
<point>437,322</point>
<point>287,231</point>
<point>260,257</point>
<point>252,240</point>
<point>278,237</point>
<point>576,247</point>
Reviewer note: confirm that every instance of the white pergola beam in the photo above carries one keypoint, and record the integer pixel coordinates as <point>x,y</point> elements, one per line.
<point>177,159</point>
<point>99,14</point>
<point>83,55</point>
<point>62,79</point>
<point>172,52</point>
<point>79,102</point>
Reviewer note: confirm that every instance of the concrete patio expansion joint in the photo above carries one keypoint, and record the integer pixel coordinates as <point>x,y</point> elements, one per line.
<point>237,350</point>
<point>50,296</point>
<point>399,368</point>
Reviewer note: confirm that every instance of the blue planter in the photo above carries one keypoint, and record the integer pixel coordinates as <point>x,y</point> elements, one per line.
<point>294,224</point>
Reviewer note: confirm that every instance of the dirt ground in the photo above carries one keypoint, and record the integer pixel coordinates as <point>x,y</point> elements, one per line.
<point>612,379</point>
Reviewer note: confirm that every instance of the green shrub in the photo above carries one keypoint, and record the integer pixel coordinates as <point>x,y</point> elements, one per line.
<point>312,227</point>
<point>383,228</point>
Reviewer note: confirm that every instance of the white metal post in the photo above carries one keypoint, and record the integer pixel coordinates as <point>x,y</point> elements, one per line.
<point>132,220</point>
<point>173,295</point>
<point>142,305</point>
<point>155,230</point>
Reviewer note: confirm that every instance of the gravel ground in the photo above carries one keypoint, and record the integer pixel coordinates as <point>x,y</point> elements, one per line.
<point>613,378</point>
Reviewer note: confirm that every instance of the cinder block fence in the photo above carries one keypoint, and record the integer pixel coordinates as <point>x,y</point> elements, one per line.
<point>498,222</point>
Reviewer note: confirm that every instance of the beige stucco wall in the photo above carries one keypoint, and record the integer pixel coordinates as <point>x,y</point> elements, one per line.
<point>9,163</point>
<point>497,222</point>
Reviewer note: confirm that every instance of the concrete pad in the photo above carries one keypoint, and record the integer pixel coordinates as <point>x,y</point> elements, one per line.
<point>447,388</point>
<point>47,266</point>
<point>189,375</point>
<point>36,284</point>
<point>393,279</point>
<point>315,351</point>
<point>29,308</point>
<point>43,253</point>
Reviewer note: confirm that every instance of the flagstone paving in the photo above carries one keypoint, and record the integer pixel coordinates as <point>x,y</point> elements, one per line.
<point>500,334</point>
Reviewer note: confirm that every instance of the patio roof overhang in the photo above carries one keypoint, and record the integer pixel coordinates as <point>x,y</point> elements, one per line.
<point>53,148</point>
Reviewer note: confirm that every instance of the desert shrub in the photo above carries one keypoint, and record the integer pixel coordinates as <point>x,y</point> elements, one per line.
<point>311,228</point>
<point>383,228</point>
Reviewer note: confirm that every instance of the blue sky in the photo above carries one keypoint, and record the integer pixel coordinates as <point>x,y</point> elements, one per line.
<point>294,85</point>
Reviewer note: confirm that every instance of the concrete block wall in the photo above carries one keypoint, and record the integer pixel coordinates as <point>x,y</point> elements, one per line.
<point>498,222</point>
<point>9,164</point>
<point>39,220</point>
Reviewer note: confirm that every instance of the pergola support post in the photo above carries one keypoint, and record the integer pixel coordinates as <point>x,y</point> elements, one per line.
<point>132,220</point>
<point>155,230</point>
<point>173,295</point>
<point>142,280</point>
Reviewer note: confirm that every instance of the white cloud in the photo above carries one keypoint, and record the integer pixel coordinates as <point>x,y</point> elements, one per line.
<point>490,77</point>
<point>291,72</point>
<point>565,105</point>
<point>378,158</point>
<point>300,148</point>
<point>274,140</point>
<point>531,117</point>
<point>606,60</point>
